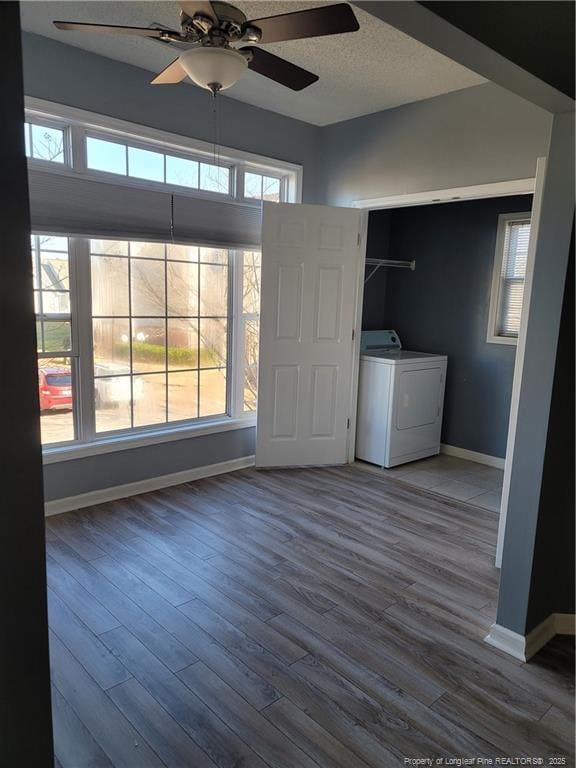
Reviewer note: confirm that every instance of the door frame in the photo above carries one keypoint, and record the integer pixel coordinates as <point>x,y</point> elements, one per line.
<point>528,186</point>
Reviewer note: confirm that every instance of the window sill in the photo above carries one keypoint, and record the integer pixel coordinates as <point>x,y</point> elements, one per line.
<point>510,340</point>
<point>141,440</point>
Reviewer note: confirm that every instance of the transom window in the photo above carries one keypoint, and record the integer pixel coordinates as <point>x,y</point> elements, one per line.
<point>259,187</point>
<point>67,140</point>
<point>508,277</point>
<point>137,163</point>
<point>155,346</point>
<point>45,142</point>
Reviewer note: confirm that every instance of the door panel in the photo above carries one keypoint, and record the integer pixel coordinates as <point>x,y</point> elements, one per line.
<point>324,396</point>
<point>310,263</point>
<point>328,303</point>
<point>286,386</point>
<point>289,298</point>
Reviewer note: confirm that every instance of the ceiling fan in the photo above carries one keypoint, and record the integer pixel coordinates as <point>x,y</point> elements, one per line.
<point>211,27</point>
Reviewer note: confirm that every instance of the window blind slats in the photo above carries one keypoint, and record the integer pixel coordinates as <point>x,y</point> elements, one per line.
<point>62,203</point>
<point>512,277</point>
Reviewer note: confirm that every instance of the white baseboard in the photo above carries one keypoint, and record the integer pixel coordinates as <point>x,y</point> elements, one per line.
<point>464,453</point>
<point>523,647</point>
<point>505,640</point>
<point>143,486</point>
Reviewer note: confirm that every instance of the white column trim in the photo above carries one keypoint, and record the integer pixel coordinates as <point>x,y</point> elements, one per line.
<point>523,647</point>
<point>520,351</point>
<point>450,195</point>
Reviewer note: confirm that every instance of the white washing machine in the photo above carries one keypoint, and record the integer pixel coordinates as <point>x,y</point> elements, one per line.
<point>400,401</point>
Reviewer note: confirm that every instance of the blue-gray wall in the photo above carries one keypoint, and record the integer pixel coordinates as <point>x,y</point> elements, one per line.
<point>70,478</point>
<point>443,307</point>
<point>67,75</point>
<point>475,136</point>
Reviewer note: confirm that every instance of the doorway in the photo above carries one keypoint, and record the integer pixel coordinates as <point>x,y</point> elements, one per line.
<point>452,465</point>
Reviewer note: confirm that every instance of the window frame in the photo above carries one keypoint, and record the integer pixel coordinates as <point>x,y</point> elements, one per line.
<point>47,122</point>
<point>79,124</point>
<point>76,125</point>
<point>74,352</point>
<point>504,219</point>
<point>284,179</point>
<point>89,442</point>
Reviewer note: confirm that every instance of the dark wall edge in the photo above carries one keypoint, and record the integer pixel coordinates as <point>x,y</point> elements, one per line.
<point>25,708</point>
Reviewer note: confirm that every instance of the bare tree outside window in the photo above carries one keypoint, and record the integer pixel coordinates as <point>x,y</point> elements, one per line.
<point>44,143</point>
<point>251,325</point>
<point>160,332</point>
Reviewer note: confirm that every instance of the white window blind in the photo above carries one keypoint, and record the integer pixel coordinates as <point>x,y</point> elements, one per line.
<point>513,272</point>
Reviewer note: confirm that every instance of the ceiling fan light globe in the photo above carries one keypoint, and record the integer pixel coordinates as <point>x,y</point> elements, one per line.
<point>209,66</point>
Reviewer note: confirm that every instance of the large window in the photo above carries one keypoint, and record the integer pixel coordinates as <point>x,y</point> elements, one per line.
<point>146,338</point>
<point>508,277</point>
<point>157,337</point>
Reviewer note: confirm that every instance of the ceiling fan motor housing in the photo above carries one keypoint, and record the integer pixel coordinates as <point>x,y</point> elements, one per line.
<point>231,24</point>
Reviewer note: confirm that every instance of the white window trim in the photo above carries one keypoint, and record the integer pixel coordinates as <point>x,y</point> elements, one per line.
<point>286,183</point>
<point>495,293</point>
<point>50,122</point>
<point>81,122</point>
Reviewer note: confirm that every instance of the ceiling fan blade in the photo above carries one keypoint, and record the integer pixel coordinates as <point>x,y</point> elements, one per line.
<point>203,7</point>
<point>77,26</point>
<point>280,70</point>
<point>325,20</point>
<point>173,73</point>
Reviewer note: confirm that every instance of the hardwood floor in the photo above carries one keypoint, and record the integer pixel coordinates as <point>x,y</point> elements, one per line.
<point>302,618</point>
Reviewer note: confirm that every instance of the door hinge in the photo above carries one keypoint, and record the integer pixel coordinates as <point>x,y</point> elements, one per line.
<point>347,423</point>
<point>359,238</point>
<point>353,334</point>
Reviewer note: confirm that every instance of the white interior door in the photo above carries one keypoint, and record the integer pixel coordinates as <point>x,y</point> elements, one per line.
<point>311,256</point>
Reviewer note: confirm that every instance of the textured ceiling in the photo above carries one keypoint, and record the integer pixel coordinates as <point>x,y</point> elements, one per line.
<point>367,71</point>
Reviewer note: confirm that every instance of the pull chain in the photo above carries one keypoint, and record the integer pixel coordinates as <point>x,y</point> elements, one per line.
<point>216,144</point>
<point>172,217</point>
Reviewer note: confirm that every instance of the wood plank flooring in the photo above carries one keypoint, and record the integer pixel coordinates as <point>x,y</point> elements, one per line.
<point>326,618</point>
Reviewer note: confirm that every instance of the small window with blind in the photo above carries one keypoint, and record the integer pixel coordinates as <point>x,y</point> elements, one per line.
<point>508,277</point>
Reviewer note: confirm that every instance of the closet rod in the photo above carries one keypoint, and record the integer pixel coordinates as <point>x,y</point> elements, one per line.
<point>392,263</point>
<point>377,263</point>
